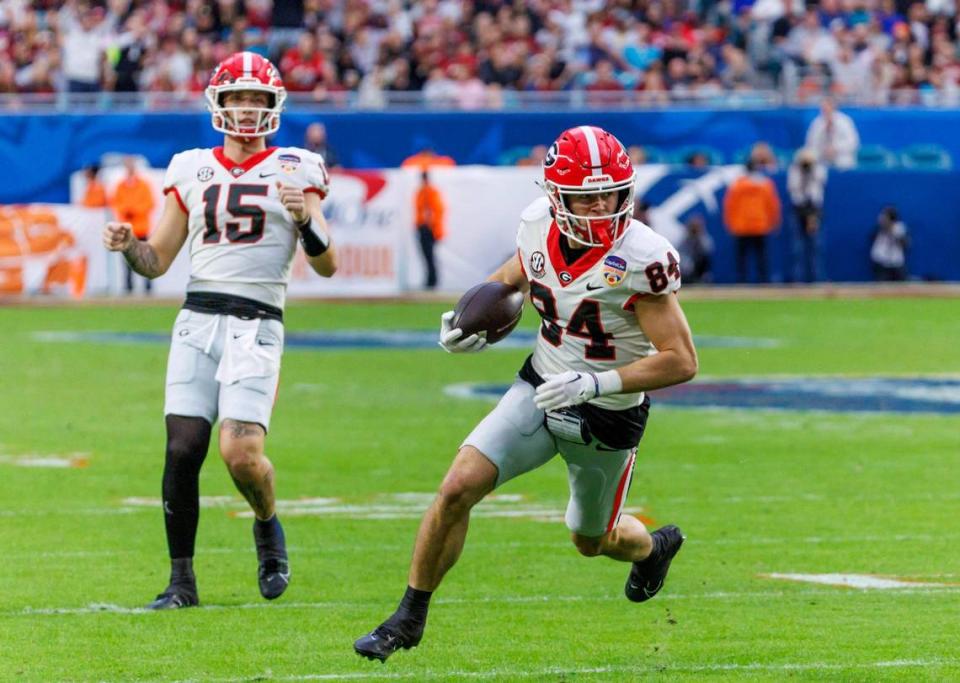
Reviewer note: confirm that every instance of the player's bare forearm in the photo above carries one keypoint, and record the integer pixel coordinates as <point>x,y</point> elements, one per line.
<point>143,259</point>
<point>511,273</point>
<point>153,257</point>
<point>663,322</point>
<point>324,265</point>
<point>663,369</point>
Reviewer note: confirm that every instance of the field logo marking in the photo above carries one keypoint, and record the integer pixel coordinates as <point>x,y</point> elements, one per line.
<point>939,395</point>
<point>322,340</point>
<point>408,505</point>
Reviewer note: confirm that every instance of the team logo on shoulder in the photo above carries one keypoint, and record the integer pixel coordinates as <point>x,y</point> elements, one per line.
<point>204,174</point>
<point>288,162</point>
<point>565,277</point>
<point>538,263</point>
<point>614,270</point>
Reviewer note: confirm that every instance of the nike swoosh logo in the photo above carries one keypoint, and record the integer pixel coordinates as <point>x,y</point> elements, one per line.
<point>611,450</point>
<point>237,336</point>
<point>650,593</point>
<point>263,343</point>
<point>591,288</point>
<point>266,175</point>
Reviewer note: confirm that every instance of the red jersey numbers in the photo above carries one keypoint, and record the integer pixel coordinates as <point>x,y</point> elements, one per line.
<point>585,323</point>
<point>660,276</point>
<point>237,232</point>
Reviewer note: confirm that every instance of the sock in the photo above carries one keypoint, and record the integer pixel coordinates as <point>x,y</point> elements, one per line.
<point>268,530</point>
<point>654,548</point>
<point>181,571</point>
<point>187,441</point>
<point>414,605</point>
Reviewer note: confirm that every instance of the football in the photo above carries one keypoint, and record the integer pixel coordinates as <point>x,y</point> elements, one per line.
<point>493,307</point>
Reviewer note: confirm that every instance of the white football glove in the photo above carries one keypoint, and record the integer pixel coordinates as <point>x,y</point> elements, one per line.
<point>450,338</point>
<point>573,388</point>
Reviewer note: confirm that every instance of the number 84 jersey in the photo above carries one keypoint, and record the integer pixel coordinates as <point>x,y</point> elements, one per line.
<point>587,307</point>
<point>242,239</point>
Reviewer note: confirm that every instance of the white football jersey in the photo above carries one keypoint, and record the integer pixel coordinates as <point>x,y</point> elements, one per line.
<point>586,308</point>
<point>242,240</point>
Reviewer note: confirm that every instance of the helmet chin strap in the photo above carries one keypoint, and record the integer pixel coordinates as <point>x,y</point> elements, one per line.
<point>604,235</point>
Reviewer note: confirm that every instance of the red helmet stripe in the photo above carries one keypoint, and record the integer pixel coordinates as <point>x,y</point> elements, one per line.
<point>594,149</point>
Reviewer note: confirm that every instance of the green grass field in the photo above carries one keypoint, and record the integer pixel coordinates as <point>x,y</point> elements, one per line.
<point>756,492</point>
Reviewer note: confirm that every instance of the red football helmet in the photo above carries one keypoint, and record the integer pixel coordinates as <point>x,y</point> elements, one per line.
<point>246,71</point>
<point>586,161</point>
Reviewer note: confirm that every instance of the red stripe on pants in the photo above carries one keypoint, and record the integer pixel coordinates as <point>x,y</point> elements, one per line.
<point>621,493</point>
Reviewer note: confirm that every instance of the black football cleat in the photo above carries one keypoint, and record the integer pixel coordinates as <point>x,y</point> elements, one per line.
<point>273,572</point>
<point>177,596</point>
<point>647,575</point>
<point>384,640</point>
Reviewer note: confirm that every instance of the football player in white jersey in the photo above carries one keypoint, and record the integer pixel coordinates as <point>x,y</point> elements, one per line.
<point>242,208</point>
<point>611,329</point>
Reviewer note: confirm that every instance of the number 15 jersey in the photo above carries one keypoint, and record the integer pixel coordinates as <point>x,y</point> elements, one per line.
<point>587,307</point>
<point>242,240</point>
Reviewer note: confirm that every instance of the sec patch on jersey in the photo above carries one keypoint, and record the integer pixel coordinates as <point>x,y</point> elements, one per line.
<point>491,307</point>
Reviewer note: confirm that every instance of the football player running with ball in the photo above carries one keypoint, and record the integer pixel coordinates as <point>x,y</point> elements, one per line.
<point>242,208</point>
<point>611,329</point>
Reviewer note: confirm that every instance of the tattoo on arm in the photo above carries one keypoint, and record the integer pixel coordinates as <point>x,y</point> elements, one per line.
<point>143,259</point>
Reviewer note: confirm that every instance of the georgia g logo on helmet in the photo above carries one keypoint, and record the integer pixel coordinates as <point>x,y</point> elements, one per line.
<point>551,158</point>
<point>587,161</point>
<point>245,71</point>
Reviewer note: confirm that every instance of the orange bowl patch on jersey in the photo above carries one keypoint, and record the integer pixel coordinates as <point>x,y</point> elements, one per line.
<point>614,269</point>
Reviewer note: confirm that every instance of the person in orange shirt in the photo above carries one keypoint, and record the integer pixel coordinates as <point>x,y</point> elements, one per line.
<point>95,194</point>
<point>428,215</point>
<point>426,158</point>
<point>751,211</point>
<point>133,202</point>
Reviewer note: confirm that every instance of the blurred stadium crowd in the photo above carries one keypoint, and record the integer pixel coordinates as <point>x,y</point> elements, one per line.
<point>476,53</point>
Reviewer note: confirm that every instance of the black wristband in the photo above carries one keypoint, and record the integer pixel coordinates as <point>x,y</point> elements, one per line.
<point>313,244</point>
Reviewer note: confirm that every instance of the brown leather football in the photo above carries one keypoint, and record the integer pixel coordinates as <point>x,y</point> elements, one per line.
<point>493,307</point>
